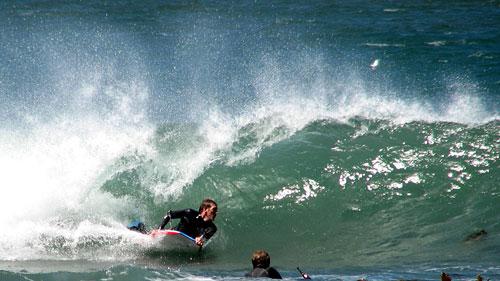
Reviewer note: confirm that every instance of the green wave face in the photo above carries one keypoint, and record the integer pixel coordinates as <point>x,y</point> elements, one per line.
<point>358,193</point>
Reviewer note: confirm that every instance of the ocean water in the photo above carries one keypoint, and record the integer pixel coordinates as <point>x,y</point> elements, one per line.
<point>120,110</point>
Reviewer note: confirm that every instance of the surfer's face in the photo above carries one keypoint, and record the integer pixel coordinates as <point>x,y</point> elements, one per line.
<point>209,213</point>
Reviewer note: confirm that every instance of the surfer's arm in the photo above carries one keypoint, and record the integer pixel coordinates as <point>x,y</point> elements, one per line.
<point>166,219</point>
<point>174,215</point>
<point>180,213</point>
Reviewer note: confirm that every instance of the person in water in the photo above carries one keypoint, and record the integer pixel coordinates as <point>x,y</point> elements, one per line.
<point>197,224</point>
<point>445,277</point>
<point>261,266</point>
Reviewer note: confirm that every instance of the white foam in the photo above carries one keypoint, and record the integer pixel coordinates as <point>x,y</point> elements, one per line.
<point>308,190</point>
<point>383,45</point>
<point>415,178</point>
<point>393,10</point>
<point>214,135</point>
<point>438,43</point>
<point>50,167</point>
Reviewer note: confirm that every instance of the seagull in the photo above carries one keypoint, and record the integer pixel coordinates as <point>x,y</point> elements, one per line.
<point>374,64</point>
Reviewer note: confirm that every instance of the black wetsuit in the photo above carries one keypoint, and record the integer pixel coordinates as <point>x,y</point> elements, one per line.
<point>191,223</point>
<point>269,272</point>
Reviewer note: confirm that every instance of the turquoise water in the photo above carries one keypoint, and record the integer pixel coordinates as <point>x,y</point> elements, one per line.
<point>114,111</point>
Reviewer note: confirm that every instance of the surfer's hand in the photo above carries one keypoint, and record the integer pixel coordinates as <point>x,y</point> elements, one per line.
<point>199,240</point>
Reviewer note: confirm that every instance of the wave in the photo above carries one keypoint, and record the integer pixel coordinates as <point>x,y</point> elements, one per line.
<point>377,191</point>
<point>321,159</point>
<point>373,188</point>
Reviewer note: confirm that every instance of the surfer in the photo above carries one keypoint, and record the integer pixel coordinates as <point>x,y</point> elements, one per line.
<point>445,277</point>
<point>197,224</point>
<point>261,266</point>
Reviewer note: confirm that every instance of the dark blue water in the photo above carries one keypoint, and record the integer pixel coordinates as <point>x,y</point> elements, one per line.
<point>120,110</point>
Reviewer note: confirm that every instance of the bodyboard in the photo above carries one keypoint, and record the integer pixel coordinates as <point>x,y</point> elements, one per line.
<point>169,239</point>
